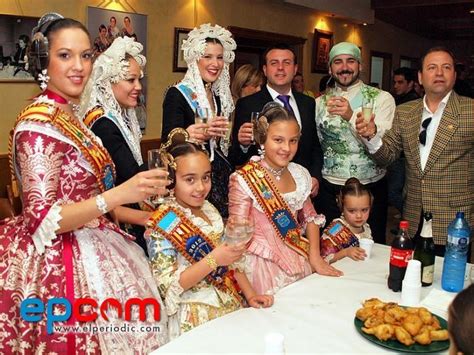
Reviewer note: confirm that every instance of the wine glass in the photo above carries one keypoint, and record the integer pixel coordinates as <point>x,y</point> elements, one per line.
<point>333,93</point>
<point>238,230</point>
<point>254,120</point>
<point>156,161</point>
<point>367,109</point>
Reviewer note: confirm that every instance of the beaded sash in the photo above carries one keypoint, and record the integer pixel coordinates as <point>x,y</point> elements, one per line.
<point>274,207</point>
<point>192,244</point>
<point>95,154</point>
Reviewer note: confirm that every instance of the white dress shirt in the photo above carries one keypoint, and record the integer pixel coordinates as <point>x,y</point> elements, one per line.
<point>375,143</point>
<point>293,104</point>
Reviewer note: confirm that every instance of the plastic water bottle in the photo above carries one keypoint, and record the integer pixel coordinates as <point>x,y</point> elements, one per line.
<point>455,259</point>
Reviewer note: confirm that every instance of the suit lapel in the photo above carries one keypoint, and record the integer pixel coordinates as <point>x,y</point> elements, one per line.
<point>413,125</point>
<point>447,126</point>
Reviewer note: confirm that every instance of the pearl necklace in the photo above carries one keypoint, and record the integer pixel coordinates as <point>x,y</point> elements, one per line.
<point>277,173</point>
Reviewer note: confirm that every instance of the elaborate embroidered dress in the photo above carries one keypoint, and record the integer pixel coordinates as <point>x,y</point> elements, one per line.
<point>272,262</point>
<point>96,260</point>
<point>338,235</point>
<point>202,302</point>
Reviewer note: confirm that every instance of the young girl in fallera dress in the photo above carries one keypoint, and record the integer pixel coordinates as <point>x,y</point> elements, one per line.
<point>275,192</point>
<point>341,237</point>
<point>192,268</point>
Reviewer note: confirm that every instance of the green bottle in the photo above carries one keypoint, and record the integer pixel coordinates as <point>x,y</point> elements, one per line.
<point>425,250</point>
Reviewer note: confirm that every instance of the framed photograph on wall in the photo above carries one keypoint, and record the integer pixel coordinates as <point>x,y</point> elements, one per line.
<point>323,41</point>
<point>180,34</point>
<point>15,33</point>
<point>106,25</point>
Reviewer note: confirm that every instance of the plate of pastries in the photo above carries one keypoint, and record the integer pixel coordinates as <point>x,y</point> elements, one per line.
<point>406,329</point>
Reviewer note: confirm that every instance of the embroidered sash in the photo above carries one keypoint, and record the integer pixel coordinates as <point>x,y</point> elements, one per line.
<point>96,155</point>
<point>274,207</point>
<point>192,244</point>
<point>189,95</point>
<point>336,237</point>
<point>93,115</point>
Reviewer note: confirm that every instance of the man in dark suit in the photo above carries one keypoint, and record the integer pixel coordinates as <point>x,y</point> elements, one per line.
<point>280,67</point>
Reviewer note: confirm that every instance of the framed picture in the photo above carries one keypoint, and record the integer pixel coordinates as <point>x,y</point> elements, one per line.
<point>106,25</point>
<point>15,33</point>
<point>323,41</point>
<point>180,34</point>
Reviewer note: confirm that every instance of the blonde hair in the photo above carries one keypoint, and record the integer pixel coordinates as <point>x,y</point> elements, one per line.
<point>246,75</point>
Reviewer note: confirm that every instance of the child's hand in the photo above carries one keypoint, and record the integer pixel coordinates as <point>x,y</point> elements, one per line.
<point>260,301</point>
<point>356,253</point>
<point>320,266</point>
<point>228,254</point>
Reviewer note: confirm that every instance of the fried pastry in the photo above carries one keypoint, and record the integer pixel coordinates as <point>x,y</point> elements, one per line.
<point>439,335</point>
<point>382,332</point>
<point>403,336</point>
<point>412,323</point>
<point>424,337</point>
<point>408,325</point>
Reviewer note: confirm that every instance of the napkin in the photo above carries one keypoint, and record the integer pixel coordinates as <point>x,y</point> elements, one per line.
<point>438,302</point>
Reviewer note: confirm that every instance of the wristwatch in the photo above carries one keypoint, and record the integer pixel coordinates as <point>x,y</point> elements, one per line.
<point>372,135</point>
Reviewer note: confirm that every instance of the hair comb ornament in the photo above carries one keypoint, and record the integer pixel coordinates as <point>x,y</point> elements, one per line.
<point>176,136</point>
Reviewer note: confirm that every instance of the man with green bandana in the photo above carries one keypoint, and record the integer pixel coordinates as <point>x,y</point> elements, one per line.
<point>345,155</point>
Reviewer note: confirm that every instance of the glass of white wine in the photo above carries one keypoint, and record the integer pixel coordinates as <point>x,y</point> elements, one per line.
<point>254,120</point>
<point>156,161</point>
<point>367,109</point>
<point>333,93</point>
<point>238,230</point>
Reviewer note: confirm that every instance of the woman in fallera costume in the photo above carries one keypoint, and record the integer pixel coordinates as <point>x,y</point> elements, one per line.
<point>108,109</point>
<point>208,51</point>
<point>64,244</point>
<point>275,193</point>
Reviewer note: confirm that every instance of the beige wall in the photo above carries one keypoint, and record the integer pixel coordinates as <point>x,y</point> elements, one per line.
<point>164,15</point>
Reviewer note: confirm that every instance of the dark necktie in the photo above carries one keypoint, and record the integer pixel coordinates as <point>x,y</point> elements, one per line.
<point>286,102</point>
<point>424,126</point>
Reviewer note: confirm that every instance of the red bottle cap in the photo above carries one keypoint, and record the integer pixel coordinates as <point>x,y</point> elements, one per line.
<point>403,224</point>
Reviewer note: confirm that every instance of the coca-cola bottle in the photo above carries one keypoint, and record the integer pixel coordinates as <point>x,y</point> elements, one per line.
<point>400,253</point>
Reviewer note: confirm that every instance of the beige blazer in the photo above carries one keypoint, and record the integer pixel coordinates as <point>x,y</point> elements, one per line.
<point>446,185</point>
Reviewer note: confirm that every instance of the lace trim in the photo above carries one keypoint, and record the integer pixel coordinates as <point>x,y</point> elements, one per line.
<point>216,226</point>
<point>46,231</point>
<point>319,220</point>
<point>173,294</point>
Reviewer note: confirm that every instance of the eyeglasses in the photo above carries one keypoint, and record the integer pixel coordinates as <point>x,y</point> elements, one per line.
<point>424,125</point>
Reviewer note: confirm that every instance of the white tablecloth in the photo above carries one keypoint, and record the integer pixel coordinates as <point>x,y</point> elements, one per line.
<point>316,314</point>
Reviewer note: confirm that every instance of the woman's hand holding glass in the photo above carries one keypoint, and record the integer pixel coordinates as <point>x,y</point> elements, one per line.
<point>142,186</point>
<point>218,127</point>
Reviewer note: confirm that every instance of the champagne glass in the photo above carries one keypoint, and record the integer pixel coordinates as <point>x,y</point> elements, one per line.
<point>367,108</point>
<point>225,141</point>
<point>156,161</point>
<point>333,93</point>
<point>201,115</point>
<point>254,120</point>
<point>238,230</point>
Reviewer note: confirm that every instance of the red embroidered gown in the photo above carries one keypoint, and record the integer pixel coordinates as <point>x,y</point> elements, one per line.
<point>96,261</point>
